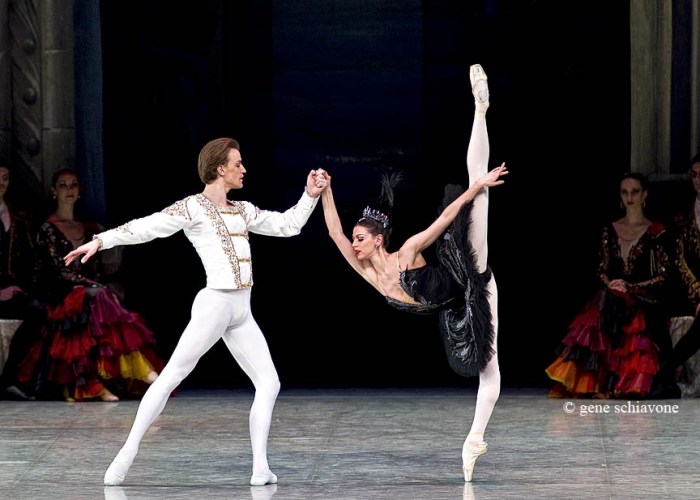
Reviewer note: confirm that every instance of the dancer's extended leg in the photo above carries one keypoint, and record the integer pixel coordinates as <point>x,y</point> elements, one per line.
<point>249,347</point>
<point>477,165</point>
<point>211,315</point>
<point>489,379</point>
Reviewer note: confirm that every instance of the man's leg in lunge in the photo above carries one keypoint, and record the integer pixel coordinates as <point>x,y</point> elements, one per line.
<point>209,320</point>
<point>249,347</point>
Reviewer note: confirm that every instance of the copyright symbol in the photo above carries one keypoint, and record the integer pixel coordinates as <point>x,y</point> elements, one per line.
<point>569,407</point>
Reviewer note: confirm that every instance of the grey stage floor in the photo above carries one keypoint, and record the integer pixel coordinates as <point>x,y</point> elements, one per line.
<point>356,444</point>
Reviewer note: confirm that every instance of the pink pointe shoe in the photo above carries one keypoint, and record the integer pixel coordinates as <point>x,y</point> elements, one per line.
<point>480,88</point>
<point>470,452</point>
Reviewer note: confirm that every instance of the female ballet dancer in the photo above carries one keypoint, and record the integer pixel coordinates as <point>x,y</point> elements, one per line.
<point>462,289</point>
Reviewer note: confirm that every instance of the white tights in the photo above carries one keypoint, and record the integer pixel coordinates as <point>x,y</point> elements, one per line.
<point>490,377</point>
<point>216,314</point>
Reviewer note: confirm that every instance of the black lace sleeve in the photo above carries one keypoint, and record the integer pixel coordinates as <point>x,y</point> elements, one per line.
<point>604,256</point>
<point>54,245</point>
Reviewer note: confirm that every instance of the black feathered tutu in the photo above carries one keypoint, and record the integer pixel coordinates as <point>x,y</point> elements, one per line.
<point>457,293</point>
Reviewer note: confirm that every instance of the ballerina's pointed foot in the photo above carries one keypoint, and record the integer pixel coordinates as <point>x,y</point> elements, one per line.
<point>470,452</point>
<point>480,87</point>
<point>117,470</point>
<point>263,479</point>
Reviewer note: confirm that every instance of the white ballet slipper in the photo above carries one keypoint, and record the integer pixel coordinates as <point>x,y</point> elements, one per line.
<point>263,479</point>
<point>117,470</point>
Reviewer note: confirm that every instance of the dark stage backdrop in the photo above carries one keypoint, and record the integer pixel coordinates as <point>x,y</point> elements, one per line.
<point>355,87</point>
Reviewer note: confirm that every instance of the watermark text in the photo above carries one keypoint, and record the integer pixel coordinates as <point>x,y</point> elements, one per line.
<point>635,407</point>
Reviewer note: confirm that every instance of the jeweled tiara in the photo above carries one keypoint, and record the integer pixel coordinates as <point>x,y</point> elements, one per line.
<point>371,213</point>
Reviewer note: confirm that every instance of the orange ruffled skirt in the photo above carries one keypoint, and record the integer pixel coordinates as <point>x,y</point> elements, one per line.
<point>589,364</point>
<point>89,339</point>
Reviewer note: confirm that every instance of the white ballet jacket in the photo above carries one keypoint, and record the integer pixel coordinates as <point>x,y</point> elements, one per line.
<point>220,236</point>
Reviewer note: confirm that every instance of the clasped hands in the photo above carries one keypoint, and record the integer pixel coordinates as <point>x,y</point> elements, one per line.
<point>316,182</point>
<point>618,285</point>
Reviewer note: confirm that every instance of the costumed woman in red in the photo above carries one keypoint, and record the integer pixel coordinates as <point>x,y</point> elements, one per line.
<point>91,346</point>
<point>612,347</point>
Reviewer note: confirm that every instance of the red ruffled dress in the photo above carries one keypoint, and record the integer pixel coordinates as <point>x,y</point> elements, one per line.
<point>90,340</point>
<point>609,350</point>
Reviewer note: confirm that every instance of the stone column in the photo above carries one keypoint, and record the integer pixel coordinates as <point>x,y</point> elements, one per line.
<point>25,50</point>
<point>650,77</point>
<point>695,80</point>
<point>57,87</point>
<point>5,94</point>
<point>37,130</point>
